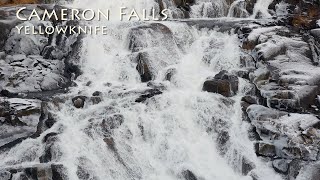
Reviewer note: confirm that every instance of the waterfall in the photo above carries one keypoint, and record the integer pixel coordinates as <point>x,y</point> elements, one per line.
<point>167,135</point>
<point>261,9</point>
<point>237,9</point>
<point>209,9</point>
<point>172,135</point>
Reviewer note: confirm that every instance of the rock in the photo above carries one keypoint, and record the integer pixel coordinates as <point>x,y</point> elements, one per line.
<point>281,165</point>
<point>247,61</point>
<point>143,68</point>
<point>316,33</point>
<point>5,175</point>
<point>97,93</point>
<point>53,171</point>
<point>50,121</point>
<point>292,152</point>
<point>247,166</point>
<point>32,74</point>
<point>249,99</point>
<point>253,135</point>
<point>58,172</point>
<point>35,63</point>
<point>188,175</point>
<point>244,107</point>
<point>26,44</point>
<point>112,122</point>
<point>309,171</point>
<point>5,28</point>
<point>148,94</point>
<point>95,100</point>
<point>294,168</point>
<point>221,128</point>
<point>148,52</point>
<point>18,120</point>
<point>264,149</point>
<point>261,113</point>
<point>223,83</point>
<point>79,101</point>
<point>291,134</point>
<point>243,74</point>
<point>222,140</point>
<point>49,141</point>
<point>170,73</point>
<point>110,143</point>
<point>217,86</point>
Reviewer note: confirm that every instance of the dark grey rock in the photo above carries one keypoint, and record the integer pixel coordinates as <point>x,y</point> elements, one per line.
<point>247,166</point>
<point>97,93</point>
<point>112,122</point>
<point>18,120</point>
<point>148,94</point>
<point>264,149</point>
<point>188,175</point>
<point>79,101</point>
<point>223,83</point>
<point>281,165</point>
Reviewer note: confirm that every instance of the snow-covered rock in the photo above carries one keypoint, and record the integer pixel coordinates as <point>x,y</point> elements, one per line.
<point>291,134</point>
<point>31,74</point>
<point>286,74</point>
<point>22,43</point>
<point>18,120</point>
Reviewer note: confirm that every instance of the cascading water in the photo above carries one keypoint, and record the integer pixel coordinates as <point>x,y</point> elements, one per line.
<point>261,9</point>
<point>209,8</point>
<point>169,135</point>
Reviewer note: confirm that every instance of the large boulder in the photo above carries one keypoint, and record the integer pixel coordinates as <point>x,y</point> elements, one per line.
<point>265,149</point>
<point>152,54</point>
<point>223,83</point>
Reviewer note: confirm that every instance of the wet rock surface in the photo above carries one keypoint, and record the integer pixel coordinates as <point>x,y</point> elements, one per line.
<point>223,83</point>
<point>56,172</point>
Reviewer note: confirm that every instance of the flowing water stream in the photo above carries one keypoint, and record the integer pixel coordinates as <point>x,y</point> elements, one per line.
<point>167,136</point>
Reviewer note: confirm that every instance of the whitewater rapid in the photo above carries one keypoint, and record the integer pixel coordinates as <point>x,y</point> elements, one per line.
<point>168,134</point>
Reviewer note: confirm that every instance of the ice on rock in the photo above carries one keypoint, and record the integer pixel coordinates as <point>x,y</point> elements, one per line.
<point>282,9</point>
<point>261,113</point>
<point>31,74</point>
<point>18,119</point>
<point>286,76</point>
<point>22,43</point>
<point>284,131</point>
<point>254,35</point>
